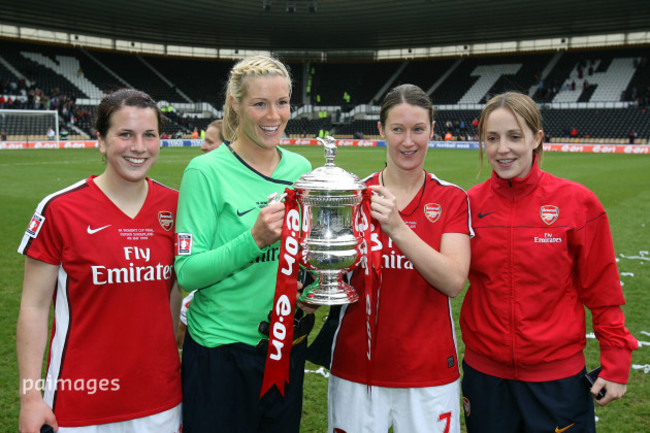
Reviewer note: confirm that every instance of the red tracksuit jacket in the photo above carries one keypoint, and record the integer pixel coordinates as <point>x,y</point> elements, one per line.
<point>542,251</point>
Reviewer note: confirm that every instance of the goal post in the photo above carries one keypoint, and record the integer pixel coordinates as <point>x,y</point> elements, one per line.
<point>29,125</point>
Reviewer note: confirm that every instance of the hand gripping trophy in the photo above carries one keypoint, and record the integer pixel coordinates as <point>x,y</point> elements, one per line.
<point>333,222</point>
<point>327,230</point>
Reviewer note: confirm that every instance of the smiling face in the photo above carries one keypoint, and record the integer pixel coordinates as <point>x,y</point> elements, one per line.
<point>407,131</point>
<point>131,144</point>
<point>263,111</point>
<point>509,143</point>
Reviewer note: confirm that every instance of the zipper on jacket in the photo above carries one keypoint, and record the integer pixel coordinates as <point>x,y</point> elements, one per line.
<point>511,278</point>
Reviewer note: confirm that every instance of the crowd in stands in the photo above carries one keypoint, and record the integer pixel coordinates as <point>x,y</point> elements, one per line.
<point>18,95</point>
<point>333,90</point>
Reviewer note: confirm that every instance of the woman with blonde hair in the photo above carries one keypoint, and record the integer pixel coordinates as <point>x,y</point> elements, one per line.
<point>228,242</point>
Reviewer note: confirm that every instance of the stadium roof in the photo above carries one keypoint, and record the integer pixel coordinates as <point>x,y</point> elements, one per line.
<point>334,25</point>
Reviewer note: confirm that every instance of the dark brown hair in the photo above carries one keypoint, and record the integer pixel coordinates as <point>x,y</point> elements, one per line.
<point>407,93</point>
<point>112,102</point>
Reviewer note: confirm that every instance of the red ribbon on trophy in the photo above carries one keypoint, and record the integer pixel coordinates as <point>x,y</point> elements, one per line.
<point>371,264</point>
<point>276,370</point>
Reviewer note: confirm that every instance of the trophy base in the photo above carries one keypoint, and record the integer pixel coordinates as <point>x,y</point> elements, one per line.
<point>335,293</point>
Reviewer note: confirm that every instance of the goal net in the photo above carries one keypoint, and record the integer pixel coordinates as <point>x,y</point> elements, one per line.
<point>29,125</point>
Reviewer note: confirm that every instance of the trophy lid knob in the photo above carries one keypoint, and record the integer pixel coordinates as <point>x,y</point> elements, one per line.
<point>329,177</point>
<point>329,143</point>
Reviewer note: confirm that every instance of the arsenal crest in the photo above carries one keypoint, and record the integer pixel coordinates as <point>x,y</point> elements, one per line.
<point>166,219</point>
<point>549,213</point>
<point>432,211</point>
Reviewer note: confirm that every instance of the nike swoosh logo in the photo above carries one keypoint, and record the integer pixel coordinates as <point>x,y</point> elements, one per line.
<point>481,215</point>
<point>560,430</point>
<point>241,214</point>
<point>93,231</point>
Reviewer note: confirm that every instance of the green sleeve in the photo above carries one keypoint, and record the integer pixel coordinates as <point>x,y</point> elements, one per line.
<point>198,214</point>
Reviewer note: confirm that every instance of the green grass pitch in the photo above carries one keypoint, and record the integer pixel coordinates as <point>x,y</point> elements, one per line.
<point>622,182</point>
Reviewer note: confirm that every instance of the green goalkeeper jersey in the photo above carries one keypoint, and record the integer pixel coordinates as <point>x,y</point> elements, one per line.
<point>220,198</point>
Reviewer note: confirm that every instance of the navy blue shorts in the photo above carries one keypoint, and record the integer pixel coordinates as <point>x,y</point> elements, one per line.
<point>221,390</point>
<point>495,405</point>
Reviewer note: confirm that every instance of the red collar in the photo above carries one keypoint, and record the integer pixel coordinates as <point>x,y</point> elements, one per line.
<point>517,186</point>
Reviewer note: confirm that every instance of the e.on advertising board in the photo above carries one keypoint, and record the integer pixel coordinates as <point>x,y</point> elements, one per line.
<point>597,148</point>
<point>47,144</point>
<point>636,149</point>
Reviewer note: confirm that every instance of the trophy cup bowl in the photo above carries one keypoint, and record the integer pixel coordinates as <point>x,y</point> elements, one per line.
<point>330,200</point>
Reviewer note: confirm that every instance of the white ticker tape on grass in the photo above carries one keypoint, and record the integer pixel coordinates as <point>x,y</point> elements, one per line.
<point>643,255</point>
<point>644,343</point>
<point>645,368</point>
<point>320,371</point>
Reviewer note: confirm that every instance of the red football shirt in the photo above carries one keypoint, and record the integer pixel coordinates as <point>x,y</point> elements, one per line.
<point>415,337</point>
<point>113,354</point>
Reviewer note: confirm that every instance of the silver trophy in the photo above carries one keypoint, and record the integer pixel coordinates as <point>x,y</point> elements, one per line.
<point>330,200</point>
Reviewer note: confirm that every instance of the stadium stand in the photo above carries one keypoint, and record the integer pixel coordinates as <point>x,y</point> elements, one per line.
<point>361,81</point>
<point>28,60</point>
<point>362,129</point>
<point>610,96</point>
<point>205,83</point>
<point>135,71</point>
<point>426,74</point>
<point>301,127</point>
<point>596,123</point>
